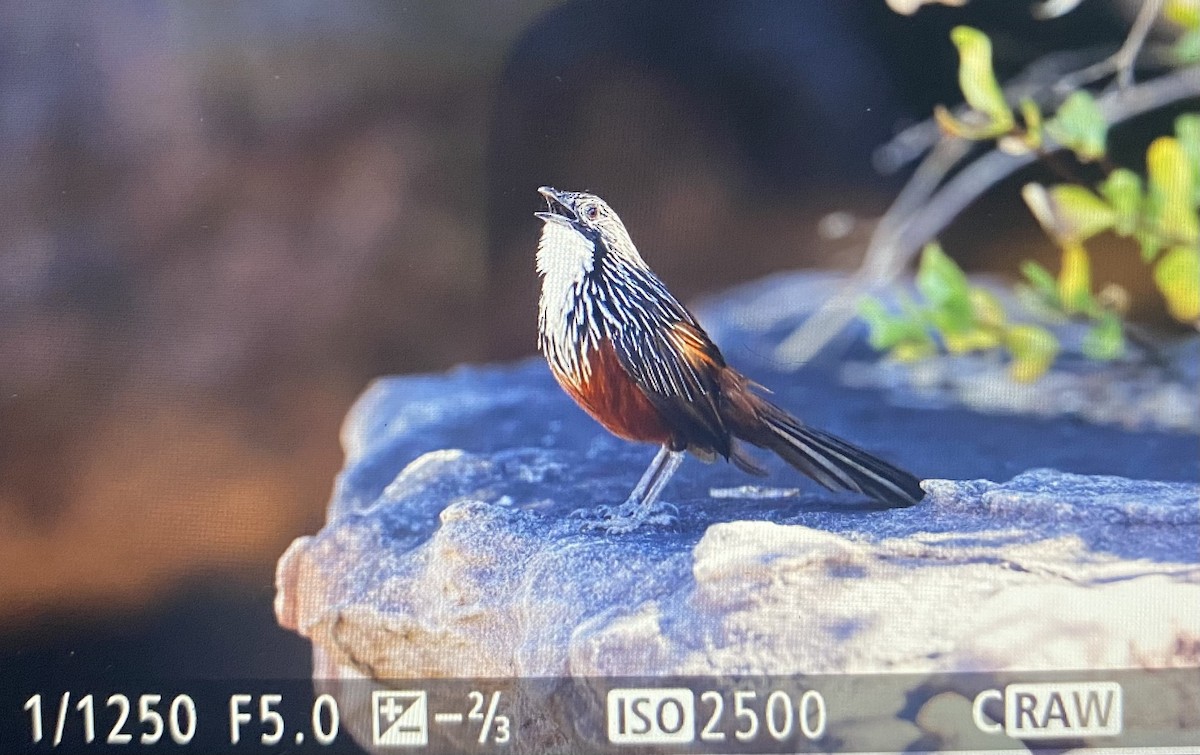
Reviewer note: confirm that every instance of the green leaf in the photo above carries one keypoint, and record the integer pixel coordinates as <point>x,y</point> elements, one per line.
<point>1075,280</point>
<point>1079,126</point>
<point>888,330</point>
<point>1186,49</point>
<point>945,287</point>
<point>1187,131</point>
<point>1171,186</point>
<point>1043,281</point>
<point>1123,190</point>
<point>1106,340</point>
<point>883,333</point>
<point>977,80</point>
<point>1177,275</point>
<point>1033,349</point>
<point>1149,243</point>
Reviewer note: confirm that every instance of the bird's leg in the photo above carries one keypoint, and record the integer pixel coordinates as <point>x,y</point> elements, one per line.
<point>640,506</point>
<point>657,475</point>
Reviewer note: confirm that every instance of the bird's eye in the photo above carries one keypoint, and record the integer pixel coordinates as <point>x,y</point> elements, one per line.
<point>591,212</point>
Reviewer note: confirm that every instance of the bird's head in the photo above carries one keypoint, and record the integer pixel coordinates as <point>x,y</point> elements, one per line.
<point>580,230</point>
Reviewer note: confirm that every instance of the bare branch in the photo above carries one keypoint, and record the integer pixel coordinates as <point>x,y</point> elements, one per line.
<point>1128,53</point>
<point>1122,61</point>
<point>1038,81</point>
<point>1046,81</point>
<point>912,221</point>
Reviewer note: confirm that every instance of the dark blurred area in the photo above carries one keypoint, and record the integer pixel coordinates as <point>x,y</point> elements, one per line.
<point>220,221</point>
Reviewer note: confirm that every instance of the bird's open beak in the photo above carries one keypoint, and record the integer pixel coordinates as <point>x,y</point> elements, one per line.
<point>558,210</point>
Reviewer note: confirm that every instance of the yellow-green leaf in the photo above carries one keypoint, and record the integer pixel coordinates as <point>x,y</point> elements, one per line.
<point>1081,212</point>
<point>1033,349</point>
<point>1171,183</point>
<point>912,351</point>
<point>1031,114</point>
<point>972,339</point>
<point>1070,214</point>
<point>1123,190</point>
<point>1075,279</point>
<point>975,127</point>
<point>1177,275</point>
<point>976,78</point>
<point>1079,126</point>
<point>1185,13</point>
<point>987,308</point>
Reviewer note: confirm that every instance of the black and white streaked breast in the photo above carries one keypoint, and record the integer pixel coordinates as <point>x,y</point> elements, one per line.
<point>592,292</point>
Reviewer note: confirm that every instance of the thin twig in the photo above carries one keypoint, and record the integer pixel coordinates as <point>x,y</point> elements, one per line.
<point>902,232</point>
<point>1123,60</point>
<point>1128,54</point>
<point>1046,81</point>
<point>878,263</point>
<point>1037,82</point>
<point>946,154</point>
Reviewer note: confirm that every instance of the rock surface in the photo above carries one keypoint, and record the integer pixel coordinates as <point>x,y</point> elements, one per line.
<point>461,569</point>
<point>449,550</point>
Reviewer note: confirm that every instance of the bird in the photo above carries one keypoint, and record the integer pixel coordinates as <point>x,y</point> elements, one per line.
<point>635,359</point>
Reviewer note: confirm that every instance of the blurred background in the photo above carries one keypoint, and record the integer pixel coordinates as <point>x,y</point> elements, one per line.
<point>219,221</point>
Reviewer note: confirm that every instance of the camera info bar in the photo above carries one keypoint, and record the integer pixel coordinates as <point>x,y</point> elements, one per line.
<point>1105,711</point>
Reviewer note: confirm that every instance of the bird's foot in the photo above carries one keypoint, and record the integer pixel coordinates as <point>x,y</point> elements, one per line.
<point>627,517</point>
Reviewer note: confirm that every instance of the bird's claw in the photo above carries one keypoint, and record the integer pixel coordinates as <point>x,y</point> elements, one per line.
<point>627,517</point>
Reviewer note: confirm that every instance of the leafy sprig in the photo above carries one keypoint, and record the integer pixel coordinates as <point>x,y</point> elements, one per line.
<point>1159,213</point>
<point>962,318</point>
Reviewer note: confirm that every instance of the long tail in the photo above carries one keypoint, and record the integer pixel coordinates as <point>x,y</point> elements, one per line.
<point>835,463</point>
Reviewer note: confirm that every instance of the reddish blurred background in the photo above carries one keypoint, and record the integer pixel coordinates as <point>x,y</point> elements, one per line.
<point>219,222</point>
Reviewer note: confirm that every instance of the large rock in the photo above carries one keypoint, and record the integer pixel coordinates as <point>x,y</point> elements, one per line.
<point>469,565</point>
<point>450,550</point>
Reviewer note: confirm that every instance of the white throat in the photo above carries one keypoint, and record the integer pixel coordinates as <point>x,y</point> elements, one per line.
<point>564,259</point>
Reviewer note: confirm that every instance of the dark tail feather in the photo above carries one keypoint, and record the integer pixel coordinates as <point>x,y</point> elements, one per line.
<point>835,463</point>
